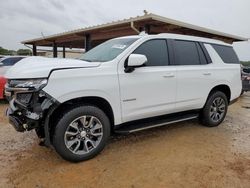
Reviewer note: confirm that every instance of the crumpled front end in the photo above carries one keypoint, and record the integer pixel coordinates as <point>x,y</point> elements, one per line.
<point>28,104</point>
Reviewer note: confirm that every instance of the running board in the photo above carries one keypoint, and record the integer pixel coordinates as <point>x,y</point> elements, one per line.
<point>149,123</point>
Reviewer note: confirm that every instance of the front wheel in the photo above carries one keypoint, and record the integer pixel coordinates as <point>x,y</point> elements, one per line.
<point>214,110</point>
<point>81,133</point>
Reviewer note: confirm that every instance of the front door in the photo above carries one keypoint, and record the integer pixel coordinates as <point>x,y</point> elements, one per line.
<point>149,90</point>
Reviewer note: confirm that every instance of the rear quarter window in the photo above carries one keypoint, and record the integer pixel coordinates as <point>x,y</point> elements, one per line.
<point>227,54</point>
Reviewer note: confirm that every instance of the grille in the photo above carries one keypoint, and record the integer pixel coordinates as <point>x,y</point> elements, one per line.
<point>24,98</point>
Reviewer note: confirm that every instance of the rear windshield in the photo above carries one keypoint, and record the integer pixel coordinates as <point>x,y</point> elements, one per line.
<point>226,53</point>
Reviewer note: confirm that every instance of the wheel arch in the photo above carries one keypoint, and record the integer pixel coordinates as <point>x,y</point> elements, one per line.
<point>223,88</point>
<point>56,111</point>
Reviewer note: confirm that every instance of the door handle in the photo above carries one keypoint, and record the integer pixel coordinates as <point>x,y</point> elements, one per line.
<point>207,73</point>
<point>170,75</point>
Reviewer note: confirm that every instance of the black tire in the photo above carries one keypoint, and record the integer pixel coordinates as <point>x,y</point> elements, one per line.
<point>63,125</point>
<point>205,115</point>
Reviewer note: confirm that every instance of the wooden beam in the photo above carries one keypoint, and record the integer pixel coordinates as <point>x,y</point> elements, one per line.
<point>108,35</point>
<point>69,38</point>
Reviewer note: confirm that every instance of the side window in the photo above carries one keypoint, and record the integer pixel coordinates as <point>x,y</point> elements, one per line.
<point>226,53</point>
<point>186,53</point>
<point>156,52</point>
<point>203,59</point>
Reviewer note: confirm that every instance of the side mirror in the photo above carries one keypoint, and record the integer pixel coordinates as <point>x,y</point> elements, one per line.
<point>134,61</point>
<point>1,64</point>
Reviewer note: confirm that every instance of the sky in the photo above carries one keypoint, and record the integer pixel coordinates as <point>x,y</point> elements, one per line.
<point>27,19</point>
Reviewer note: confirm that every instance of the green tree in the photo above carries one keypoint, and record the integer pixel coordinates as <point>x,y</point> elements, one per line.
<point>4,51</point>
<point>24,52</point>
<point>245,63</point>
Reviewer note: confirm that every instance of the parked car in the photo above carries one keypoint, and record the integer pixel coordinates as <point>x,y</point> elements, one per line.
<point>124,85</point>
<point>245,76</point>
<point>2,83</point>
<point>5,63</point>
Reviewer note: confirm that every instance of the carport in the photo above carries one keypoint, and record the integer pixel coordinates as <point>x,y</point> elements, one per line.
<point>89,37</point>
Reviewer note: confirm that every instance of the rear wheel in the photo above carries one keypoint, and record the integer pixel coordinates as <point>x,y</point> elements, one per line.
<point>81,133</point>
<point>214,110</point>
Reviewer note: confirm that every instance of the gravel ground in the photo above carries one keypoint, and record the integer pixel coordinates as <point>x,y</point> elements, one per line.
<point>179,155</point>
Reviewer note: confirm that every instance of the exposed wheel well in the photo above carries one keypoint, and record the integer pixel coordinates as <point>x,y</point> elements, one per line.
<point>96,101</point>
<point>223,88</point>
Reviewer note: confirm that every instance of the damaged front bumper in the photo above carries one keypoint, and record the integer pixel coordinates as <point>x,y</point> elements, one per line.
<point>28,108</point>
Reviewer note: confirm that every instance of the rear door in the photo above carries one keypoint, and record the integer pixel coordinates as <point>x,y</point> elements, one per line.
<point>194,74</point>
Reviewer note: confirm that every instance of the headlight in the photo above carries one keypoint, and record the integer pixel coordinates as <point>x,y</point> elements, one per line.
<point>30,83</point>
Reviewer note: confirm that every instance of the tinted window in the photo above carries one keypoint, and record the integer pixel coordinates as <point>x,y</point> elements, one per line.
<point>203,59</point>
<point>11,61</point>
<point>156,52</point>
<point>186,53</point>
<point>226,53</point>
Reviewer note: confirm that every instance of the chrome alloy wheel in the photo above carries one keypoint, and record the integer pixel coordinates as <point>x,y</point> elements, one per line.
<point>83,134</point>
<point>217,109</point>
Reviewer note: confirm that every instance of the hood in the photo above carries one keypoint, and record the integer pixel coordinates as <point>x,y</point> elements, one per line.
<point>3,70</point>
<point>40,67</point>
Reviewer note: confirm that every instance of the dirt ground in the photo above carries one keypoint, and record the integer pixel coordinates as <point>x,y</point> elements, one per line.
<point>178,155</point>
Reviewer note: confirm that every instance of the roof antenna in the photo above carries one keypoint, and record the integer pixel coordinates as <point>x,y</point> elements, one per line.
<point>42,35</point>
<point>145,12</point>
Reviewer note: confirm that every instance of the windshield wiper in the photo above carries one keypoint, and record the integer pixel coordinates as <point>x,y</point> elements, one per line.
<point>86,60</point>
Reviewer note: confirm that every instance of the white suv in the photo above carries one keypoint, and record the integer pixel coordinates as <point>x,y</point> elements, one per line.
<point>124,85</point>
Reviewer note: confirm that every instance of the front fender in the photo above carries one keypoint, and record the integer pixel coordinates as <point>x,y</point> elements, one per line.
<point>65,85</point>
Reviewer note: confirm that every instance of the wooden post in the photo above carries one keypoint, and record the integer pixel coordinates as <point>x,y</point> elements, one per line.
<point>34,50</point>
<point>54,50</point>
<point>87,44</point>
<point>147,28</point>
<point>64,54</point>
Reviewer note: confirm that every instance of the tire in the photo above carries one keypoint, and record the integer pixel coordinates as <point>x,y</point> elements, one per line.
<point>215,109</point>
<point>81,133</point>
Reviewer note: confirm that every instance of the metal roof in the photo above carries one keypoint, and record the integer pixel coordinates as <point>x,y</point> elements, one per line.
<point>155,19</point>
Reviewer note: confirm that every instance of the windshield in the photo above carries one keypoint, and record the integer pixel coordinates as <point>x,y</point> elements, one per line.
<point>108,50</point>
